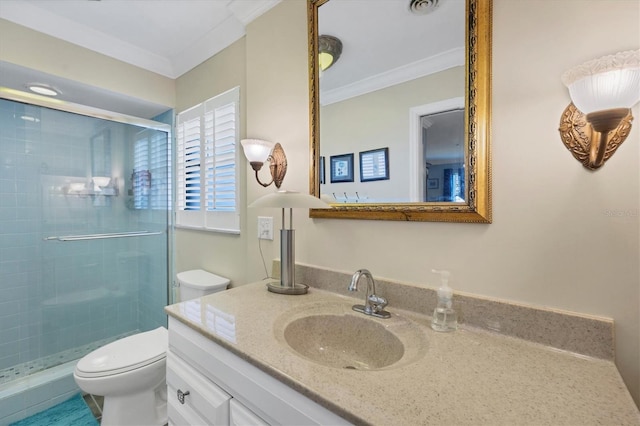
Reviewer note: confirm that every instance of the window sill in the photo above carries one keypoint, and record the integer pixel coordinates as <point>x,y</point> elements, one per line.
<point>202,229</point>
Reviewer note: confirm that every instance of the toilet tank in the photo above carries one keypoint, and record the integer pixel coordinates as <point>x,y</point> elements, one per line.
<point>197,283</point>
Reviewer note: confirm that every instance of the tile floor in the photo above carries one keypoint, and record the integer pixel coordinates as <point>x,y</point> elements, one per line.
<point>95,403</point>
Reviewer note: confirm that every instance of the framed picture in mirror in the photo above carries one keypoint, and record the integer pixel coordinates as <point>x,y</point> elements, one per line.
<point>374,165</point>
<point>341,168</point>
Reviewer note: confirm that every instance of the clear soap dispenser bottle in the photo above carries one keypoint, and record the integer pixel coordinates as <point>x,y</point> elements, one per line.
<point>444,317</point>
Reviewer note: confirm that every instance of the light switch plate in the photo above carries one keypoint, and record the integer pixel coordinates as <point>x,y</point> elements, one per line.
<point>265,228</point>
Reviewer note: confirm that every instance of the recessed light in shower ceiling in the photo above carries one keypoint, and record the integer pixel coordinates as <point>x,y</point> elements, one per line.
<point>43,89</point>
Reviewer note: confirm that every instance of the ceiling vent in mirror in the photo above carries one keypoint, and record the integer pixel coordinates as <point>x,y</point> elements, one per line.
<point>423,7</point>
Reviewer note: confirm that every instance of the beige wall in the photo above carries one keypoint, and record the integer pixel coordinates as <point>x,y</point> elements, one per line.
<point>562,237</point>
<point>553,241</point>
<point>377,120</point>
<point>39,51</point>
<point>278,111</point>
<point>213,251</point>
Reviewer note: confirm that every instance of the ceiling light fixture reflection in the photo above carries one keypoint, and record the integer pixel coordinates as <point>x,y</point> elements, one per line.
<point>329,51</point>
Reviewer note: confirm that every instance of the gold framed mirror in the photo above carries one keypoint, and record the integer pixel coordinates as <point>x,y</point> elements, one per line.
<point>470,180</point>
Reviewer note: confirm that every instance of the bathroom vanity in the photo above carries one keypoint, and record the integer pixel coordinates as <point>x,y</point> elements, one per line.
<point>245,356</point>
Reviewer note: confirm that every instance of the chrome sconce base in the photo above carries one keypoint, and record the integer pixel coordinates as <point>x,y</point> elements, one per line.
<point>296,289</point>
<point>288,200</point>
<point>593,138</point>
<point>287,284</point>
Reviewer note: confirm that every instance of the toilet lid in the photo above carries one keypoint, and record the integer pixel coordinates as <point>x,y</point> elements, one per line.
<point>202,280</point>
<point>125,354</point>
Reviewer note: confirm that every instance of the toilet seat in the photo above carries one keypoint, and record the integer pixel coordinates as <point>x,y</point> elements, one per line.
<point>124,355</point>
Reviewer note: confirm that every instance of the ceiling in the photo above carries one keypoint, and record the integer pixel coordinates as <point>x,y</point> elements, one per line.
<point>384,43</point>
<point>167,37</point>
<point>170,37</point>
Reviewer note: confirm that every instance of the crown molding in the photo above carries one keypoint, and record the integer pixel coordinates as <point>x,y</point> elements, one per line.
<point>443,61</point>
<point>25,14</point>
<point>241,12</point>
<point>246,11</point>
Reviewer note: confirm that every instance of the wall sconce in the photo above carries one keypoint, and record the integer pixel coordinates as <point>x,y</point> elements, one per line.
<point>288,200</point>
<point>329,50</point>
<point>258,151</point>
<point>599,118</point>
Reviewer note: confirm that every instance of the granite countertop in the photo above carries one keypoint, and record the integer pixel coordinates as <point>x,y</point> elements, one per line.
<point>470,376</point>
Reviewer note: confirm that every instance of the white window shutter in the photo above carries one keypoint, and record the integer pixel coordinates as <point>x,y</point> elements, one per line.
<point>207,165</point>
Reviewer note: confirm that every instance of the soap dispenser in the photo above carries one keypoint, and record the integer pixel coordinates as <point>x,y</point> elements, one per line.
<point>444,317</point>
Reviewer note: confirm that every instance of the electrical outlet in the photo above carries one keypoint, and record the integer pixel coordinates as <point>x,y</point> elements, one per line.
<point>265,228</point>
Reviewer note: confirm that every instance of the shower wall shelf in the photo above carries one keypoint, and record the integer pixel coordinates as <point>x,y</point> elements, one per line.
<point>77,186</point>
<point>92,193</point>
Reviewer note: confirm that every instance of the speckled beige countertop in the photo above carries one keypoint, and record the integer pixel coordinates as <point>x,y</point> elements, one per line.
<point>469,377</point>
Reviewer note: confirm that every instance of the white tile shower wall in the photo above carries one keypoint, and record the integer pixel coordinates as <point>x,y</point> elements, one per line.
<point>58,295</point>
<point>19,239</point>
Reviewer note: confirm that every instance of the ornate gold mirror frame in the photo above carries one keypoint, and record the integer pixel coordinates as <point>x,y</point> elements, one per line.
<point>477,208</point>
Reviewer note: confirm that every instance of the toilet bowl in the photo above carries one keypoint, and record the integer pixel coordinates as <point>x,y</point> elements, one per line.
<point>130,373</point>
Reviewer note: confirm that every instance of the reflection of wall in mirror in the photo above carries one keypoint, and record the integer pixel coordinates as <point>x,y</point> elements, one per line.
<point>377,120</point>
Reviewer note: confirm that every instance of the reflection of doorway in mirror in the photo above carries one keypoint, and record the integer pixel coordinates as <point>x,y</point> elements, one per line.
<point>436,138</point>
<point>443,149</point>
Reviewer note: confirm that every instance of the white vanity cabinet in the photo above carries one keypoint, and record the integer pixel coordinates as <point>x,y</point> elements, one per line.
<point>239,415</point>
<point>218,387</point>
<point>192,398</point>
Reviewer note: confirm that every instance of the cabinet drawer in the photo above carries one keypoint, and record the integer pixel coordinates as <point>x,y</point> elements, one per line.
<point>205,398</point>
<point>181,415</point>
<point>239,415</point>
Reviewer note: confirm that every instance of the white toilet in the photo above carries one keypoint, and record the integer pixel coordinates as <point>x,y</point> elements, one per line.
<point>130,372</point>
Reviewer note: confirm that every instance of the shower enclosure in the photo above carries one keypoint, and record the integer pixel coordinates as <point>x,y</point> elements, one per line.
<point>84,242</point>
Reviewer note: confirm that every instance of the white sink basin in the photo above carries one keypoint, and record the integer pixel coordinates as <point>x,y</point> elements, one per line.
<point>335,336</point>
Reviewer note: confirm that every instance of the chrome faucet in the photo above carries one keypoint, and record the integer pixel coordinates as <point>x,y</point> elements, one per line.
<point>373,305</point>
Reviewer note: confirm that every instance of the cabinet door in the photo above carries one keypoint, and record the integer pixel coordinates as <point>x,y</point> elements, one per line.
<point>190,391</point>
<point>242,416</point>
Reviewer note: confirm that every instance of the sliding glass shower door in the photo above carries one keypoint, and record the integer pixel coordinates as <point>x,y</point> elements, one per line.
<point>84,220</point>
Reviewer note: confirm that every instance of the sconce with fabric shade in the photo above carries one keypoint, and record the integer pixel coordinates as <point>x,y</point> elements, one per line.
<point>599,118</point>
<point>288,200</point>
<point>258,151</point>
<point>329,50</point>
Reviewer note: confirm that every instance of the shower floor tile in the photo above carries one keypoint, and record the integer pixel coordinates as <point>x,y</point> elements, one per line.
<point>25,369</point>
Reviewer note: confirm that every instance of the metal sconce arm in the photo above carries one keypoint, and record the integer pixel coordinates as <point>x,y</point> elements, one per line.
<point>277,166</point>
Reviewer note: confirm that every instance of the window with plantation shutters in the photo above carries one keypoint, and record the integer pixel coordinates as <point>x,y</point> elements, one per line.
<point>207,165</point>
